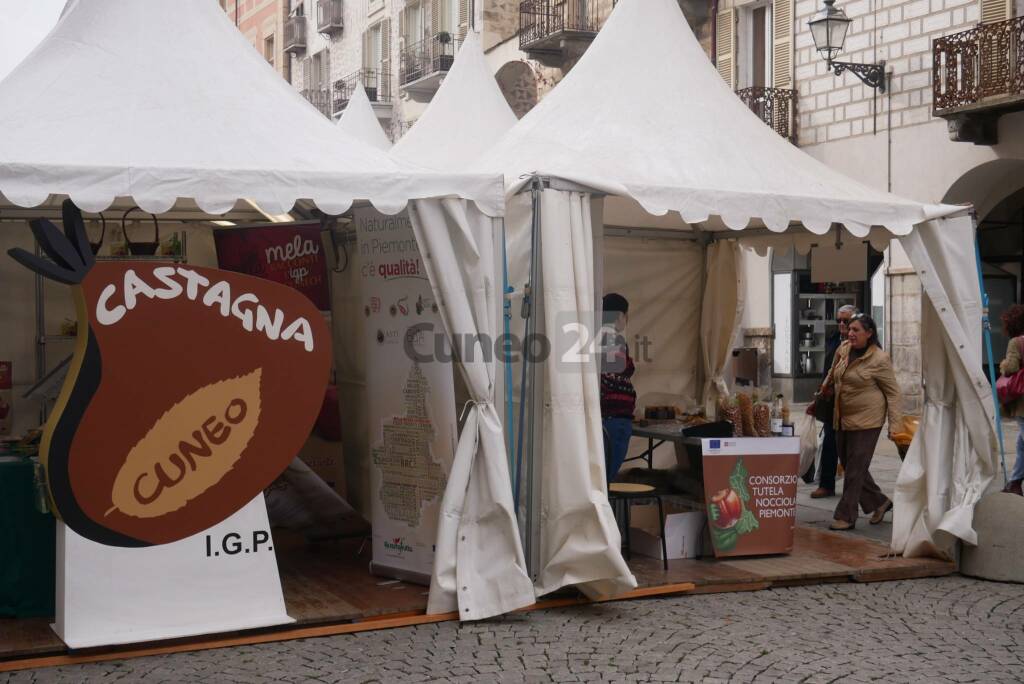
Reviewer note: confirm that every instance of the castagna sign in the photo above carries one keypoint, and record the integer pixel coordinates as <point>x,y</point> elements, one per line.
<point>190,391</point>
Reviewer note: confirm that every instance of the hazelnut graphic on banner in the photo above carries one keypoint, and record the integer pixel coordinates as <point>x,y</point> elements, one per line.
<point>190,390</point>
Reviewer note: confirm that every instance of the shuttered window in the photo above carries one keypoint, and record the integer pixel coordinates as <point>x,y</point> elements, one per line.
<point>465,18</point>
<point>993,11</point>
<point>725,46</point>
<point>782,43</point>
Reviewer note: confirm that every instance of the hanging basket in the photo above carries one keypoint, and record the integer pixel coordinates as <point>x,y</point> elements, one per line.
<point>94,247</point>
<point>141,248</point>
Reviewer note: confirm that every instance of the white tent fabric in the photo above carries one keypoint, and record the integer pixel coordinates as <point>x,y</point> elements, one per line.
<point>360,121</point>
<point>477,537</point>
<point>109,105</point>
<point>953,458</point>
<point>679,139</point>
<point>721,314</point>
<point>466,116</point>
<point>580,540</point>
<point>700,156</point>
<point>479,568</point>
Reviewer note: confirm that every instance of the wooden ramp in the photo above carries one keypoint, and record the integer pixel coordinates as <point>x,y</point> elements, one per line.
<point>329,591</point>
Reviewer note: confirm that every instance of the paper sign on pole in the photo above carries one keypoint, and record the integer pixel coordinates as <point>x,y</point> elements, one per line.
<point>411,397</point>
<point>220,580</point>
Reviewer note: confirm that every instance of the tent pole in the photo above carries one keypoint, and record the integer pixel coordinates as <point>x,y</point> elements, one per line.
<point>986,325</point>
<point>532,308</point>
<point>506,316</point>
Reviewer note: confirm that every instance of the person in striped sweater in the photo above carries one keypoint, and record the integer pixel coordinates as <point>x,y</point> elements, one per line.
<point>618,398</point>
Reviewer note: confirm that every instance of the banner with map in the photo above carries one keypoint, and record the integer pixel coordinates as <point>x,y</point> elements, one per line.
<point>411,396</point>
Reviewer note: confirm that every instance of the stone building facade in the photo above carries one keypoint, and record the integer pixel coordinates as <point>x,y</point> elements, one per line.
<point>262,24</point>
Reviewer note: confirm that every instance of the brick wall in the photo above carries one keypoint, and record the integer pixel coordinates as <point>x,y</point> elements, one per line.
<point>898,31</point>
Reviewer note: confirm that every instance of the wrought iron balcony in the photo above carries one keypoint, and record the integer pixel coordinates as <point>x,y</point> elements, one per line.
<point>775,106</point>
<point>545,26</point>
<point>329,16</point>
<point>376,83</point>
<point>295,34</point>
<point>319,98</point>
<point>422,65</point>
<point>977,76</point>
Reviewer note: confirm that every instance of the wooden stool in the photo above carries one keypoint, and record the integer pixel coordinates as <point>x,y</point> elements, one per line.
<point>626,493</point>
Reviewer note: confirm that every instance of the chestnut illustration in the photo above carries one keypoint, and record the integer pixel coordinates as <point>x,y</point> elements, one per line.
<point>729,506</point>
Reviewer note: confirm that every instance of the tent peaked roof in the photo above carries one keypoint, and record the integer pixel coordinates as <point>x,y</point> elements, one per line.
<point>466,116</point>
<point>644,114</point>
<point>165,99</point>
<point>360,121</point>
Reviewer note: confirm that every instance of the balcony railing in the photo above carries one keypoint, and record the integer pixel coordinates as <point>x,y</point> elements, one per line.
<point>376,83</point>
<point>329,16</point>
<point>295,34</point>
<point>982,67</point>
<point>319,98</point>
<point>544,24</point>
<point>775,106</point>
<point>427,57</point>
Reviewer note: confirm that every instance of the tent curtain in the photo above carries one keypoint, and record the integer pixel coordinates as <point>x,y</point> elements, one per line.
<point>350,371</point>
<point>580,543</point>
<point>953,459</point>
<point>723,294</point>
<point>479,568</point>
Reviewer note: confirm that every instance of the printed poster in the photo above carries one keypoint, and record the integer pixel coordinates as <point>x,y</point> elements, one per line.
<point>291,254</point>
<point>750,488</point>
<point>411,396</point>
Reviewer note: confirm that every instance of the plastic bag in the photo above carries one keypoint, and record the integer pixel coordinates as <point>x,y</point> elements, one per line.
<point>808,443</point>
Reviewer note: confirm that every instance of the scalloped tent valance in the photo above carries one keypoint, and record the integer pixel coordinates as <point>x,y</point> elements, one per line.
<point>644,116</point>
<point>165,100</point>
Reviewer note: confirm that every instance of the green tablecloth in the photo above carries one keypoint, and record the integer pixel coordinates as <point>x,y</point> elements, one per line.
<point>27,546</point>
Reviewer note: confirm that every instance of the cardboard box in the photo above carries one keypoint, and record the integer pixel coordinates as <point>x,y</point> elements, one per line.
<point>6,398</point>
<point>684,531</point>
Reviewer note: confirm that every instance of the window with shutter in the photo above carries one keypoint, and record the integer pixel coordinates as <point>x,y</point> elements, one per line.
<point>993,11</point>
<point>782,44</point>
<point>307,72</point>
<point>436,17</point>
<point>725,46</point>
<point>385,45</point>
<point>465,13</point>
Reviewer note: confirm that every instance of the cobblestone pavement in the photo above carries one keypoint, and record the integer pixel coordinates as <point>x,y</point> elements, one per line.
<point>936,630</point>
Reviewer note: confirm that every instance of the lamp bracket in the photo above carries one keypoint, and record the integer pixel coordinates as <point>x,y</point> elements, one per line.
<point>872,75</point>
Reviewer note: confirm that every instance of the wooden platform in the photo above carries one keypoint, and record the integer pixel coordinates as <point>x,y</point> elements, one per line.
<point>328,590</point>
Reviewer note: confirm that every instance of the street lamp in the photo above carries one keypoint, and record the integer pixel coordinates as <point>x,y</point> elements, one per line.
<point>828,29</point>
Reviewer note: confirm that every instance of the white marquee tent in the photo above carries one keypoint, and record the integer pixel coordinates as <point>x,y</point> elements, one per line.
<point>466,116</point>
<point>360,121</point>
<point>164,102</point>
<point>674,148</point>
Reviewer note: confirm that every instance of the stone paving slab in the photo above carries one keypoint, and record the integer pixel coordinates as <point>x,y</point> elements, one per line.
<point>949,629</point>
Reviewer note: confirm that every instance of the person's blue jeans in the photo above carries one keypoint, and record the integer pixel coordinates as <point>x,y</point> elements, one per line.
<point>829,460</point>
<point>617,432</point>
<point>1018,467</point>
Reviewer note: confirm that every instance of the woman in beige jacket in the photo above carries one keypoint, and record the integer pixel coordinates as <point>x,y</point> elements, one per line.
<point>1013,326</point>
<point>866,394</point>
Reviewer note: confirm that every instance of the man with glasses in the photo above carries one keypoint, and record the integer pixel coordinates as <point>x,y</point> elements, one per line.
<point>829,454</point>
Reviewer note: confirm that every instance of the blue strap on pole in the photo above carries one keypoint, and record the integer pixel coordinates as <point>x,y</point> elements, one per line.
<point>987,328</point>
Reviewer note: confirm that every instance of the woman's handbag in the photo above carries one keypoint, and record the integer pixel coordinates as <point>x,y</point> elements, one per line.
<point>824,408</point>
<point>1010,388</point>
